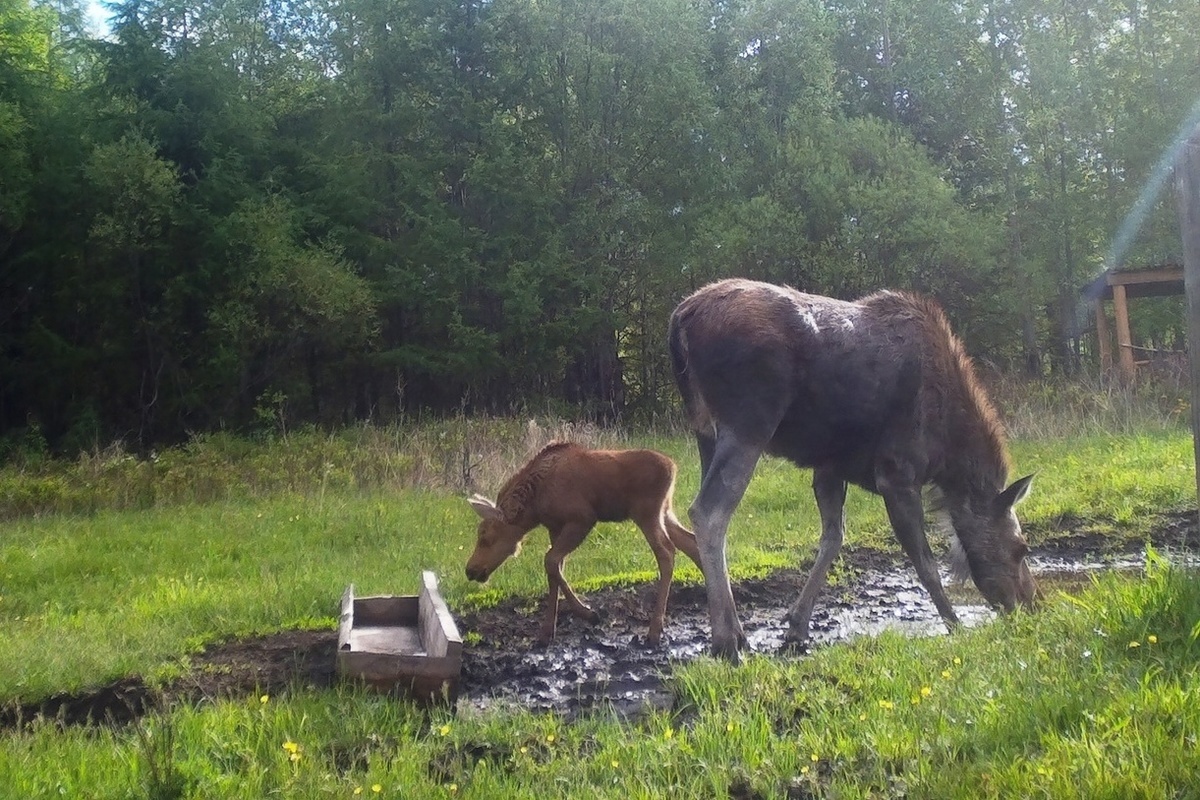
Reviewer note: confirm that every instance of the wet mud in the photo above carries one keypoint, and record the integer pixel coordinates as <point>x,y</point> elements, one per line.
<point>608,665</point>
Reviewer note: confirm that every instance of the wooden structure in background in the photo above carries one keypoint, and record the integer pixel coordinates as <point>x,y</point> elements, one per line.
<point>1187,204</point>
<point>1120,287</point>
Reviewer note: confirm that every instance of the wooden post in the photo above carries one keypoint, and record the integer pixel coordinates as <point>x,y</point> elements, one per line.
<point>1124,338</point>
<point>1187,196</point>
<point>1103,342</point>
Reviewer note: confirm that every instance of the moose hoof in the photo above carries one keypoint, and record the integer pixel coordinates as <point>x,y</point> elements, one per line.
<point>590,616</point>
<point>796,645</point>
<point>727,652</point>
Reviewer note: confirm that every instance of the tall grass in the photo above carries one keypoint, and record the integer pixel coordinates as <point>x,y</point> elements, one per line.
<point>457,454</point>
<point>465,454</point>
<point>1084,405</point>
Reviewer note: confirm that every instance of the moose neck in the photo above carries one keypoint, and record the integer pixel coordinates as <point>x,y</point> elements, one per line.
<point>975,454</point>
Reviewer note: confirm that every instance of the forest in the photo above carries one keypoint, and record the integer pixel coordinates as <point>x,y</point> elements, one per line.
<point>242,213</point>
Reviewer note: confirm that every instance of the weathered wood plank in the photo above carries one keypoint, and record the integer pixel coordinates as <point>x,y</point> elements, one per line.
<point>1187,198</point>
<point>1163,275</point>
<point>403,644</point>
<point>1124,337</point>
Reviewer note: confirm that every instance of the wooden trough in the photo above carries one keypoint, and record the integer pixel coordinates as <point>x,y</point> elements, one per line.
<point>407,644</point>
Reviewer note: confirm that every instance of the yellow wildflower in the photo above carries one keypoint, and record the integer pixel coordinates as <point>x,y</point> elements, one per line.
<point>926,691</point>
<point>264,699</point>
<point>814,758</point>
<point>1152,639</point>
<point>358,790</point>
<point>946,674</point>
<point>376,788</point>
<point>615,763</point>
<point>550,739</point>
<point>291,746</point>
<point>444,730</point>
<point>668,733</point>
<point>957,661</point>
<point>886,704</point>
<point>1134,644</point>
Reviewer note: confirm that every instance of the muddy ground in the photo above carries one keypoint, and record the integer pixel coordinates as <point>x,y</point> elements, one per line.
<point>607,664</point>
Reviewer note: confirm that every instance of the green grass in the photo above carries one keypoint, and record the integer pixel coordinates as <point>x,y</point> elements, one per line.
<point>255,538</point>
<point>1094,697</point>
<point>122,592</point>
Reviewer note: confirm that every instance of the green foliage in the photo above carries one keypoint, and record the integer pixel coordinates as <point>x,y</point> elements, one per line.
<point>374,210</point>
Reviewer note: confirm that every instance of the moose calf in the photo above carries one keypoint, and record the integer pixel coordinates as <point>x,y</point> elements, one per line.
<point>568,489</point>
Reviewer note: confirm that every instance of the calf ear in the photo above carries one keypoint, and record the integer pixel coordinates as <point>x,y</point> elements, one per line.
<point>1014,493</point>
<point>484,507</point>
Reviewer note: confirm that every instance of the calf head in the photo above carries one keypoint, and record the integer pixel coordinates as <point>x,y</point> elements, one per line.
<point>495,540</point>
<point>993,552</point>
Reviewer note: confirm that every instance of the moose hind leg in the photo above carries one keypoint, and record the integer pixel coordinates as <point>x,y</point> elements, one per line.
<point>720,492</point>
<point>830,492</point>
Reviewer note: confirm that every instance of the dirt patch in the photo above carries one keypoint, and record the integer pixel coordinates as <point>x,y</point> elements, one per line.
<point>607,664</point>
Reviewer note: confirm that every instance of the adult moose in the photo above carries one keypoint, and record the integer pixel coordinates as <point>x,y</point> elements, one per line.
<point>879,393</point>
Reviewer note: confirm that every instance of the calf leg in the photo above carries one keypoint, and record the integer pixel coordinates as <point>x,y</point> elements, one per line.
<point>720,492</point>
<point>830,492</point>
<point>664,554</point>
<point>563,542</point>
<point>682,538</point>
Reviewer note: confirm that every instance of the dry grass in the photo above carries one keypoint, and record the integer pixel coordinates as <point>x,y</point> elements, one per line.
<point>455,455</point>
<point>464,454</point>
<point>1085,405</point>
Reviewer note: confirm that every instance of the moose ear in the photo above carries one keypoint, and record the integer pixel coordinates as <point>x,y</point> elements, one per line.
<point>1014,493</point>
<point>484,507</point>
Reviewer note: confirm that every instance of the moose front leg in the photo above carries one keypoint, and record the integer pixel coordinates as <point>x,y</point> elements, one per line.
<point>907,516</point>
<point>830,492</point>
<point>563,542</point>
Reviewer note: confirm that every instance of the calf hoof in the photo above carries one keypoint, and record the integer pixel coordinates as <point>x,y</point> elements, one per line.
<point>652,639</point>
<point>590,616</point>
<point>543,638</point>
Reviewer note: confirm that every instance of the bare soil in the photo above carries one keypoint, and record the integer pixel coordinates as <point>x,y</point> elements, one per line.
<point>607,664</point>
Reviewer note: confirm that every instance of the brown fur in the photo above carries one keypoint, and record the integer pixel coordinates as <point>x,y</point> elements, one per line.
<point>879,393</point>
<point>568,489</point>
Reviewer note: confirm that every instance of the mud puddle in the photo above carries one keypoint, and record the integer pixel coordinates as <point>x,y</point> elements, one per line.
<point>607,665</point>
